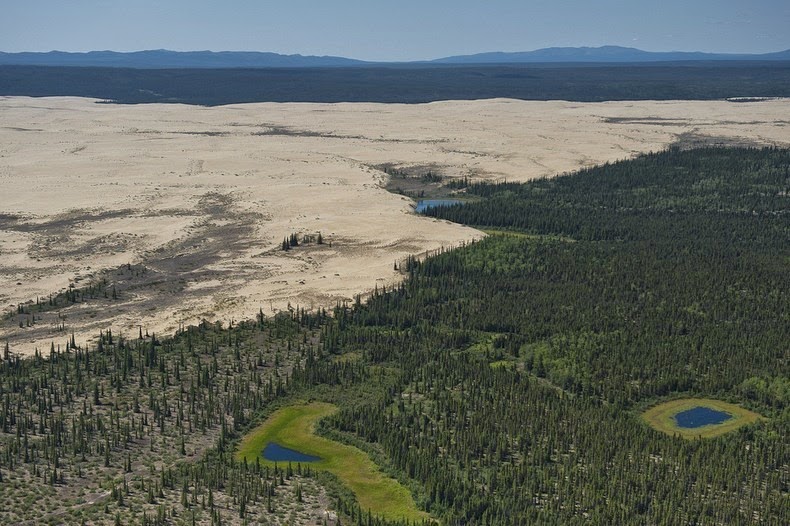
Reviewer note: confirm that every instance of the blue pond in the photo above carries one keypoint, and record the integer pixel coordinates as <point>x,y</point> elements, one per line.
<point>700,416</point>
<point>424,204</point>
<point>277,453</point>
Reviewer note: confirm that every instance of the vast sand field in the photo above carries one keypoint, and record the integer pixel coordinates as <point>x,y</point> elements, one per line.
<point>201,198</point>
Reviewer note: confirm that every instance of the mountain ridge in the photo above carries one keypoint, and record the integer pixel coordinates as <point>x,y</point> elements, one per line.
<point>603,54</point>
<point>165,59</point>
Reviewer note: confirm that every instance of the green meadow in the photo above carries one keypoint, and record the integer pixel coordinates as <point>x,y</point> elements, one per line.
<point>294,426</point>
<point>662,417</point>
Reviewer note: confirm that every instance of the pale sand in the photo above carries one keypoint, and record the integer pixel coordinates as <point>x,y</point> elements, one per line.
<point>204,196</point>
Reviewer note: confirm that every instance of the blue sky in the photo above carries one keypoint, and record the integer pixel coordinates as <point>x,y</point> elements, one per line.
<point>394,29</point>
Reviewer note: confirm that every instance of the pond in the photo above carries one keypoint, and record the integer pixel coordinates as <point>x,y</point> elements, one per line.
<point>700,416</point>
<point>424,204</point>
<point>277,453</point>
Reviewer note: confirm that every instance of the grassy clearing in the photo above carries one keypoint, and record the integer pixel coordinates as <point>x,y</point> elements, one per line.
<point>347,357</point>
<point>661,417</point>
<point>524,235</point>
<point>293,427</point>
<point>503,363</point>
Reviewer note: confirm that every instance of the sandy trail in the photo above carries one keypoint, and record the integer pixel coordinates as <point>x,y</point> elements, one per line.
<point>201,198</point>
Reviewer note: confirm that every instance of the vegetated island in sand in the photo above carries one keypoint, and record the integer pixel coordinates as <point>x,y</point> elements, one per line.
<point>144,218</point>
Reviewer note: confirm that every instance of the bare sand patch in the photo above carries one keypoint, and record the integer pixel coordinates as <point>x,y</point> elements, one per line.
<point>197,200</point>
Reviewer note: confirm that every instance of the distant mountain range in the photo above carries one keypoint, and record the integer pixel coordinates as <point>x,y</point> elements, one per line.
<point>164,59</point>
<point>606,54</point>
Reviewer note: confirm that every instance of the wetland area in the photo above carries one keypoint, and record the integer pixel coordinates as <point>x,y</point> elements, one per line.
<point>293,428</point>
<point>698,417</point>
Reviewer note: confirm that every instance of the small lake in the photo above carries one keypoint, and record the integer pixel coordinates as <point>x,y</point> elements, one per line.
<point>424,204</point>
<point>277,453</point>
<point>700,416</point>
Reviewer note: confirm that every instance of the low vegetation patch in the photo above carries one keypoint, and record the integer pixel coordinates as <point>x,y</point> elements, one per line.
<point>663,417</point>
<point>294,426</point>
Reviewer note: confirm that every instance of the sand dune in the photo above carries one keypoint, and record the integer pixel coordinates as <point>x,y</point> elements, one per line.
<point>184,208</point>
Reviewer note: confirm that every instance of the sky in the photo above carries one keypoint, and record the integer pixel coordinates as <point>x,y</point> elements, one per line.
<point>393,30</point>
